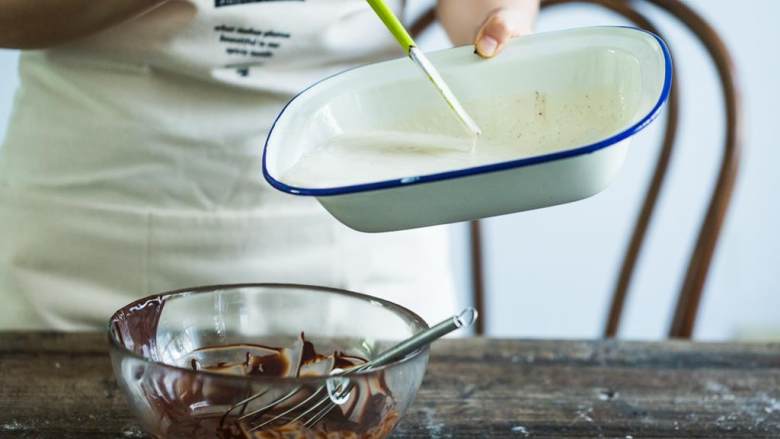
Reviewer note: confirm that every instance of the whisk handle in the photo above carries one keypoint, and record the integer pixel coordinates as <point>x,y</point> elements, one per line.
<point>463,320</point>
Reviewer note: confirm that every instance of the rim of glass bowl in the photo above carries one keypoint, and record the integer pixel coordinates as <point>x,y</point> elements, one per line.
<point>184,292</point>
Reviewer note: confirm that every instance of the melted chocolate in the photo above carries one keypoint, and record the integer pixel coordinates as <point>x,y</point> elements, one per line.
<point>192,405</point>
<point>368,413</point>
<point>135,326</point>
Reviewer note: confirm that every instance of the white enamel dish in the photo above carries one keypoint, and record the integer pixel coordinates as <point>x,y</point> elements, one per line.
<point>634,63</point>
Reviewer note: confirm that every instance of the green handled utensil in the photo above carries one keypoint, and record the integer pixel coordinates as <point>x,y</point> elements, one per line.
<point>400,33</point>
<point>393,24</point>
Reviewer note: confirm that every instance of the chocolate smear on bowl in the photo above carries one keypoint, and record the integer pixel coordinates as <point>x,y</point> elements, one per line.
<point>193,405</point>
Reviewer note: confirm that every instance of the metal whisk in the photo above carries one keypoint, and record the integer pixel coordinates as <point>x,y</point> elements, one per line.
<point>337,390</point>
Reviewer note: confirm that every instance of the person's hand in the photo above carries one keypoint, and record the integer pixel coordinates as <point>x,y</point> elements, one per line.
<point>501,25</point>
<point>488,24</point>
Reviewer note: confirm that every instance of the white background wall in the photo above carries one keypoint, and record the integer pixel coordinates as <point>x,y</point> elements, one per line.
<point>550,272</point>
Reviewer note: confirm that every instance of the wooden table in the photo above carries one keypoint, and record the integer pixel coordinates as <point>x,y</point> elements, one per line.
<point>61,386</point>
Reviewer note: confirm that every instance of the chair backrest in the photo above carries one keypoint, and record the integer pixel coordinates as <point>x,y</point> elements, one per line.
<point>689,297</point>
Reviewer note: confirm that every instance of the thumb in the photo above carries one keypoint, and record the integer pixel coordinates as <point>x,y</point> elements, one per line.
<point>498,28</point>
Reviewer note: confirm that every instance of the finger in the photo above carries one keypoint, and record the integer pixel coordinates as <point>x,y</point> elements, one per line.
<point>498,28</point>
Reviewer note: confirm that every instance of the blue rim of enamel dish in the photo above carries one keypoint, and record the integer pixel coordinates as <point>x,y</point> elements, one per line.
<point>482,169</point>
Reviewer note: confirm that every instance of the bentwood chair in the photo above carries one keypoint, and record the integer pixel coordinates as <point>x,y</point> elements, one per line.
<point>690,294</point>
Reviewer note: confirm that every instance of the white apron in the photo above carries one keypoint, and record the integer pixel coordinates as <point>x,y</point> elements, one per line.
<point>132,166</point>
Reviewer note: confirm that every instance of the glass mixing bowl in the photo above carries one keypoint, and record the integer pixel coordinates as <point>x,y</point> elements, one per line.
<point>182,360</point>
